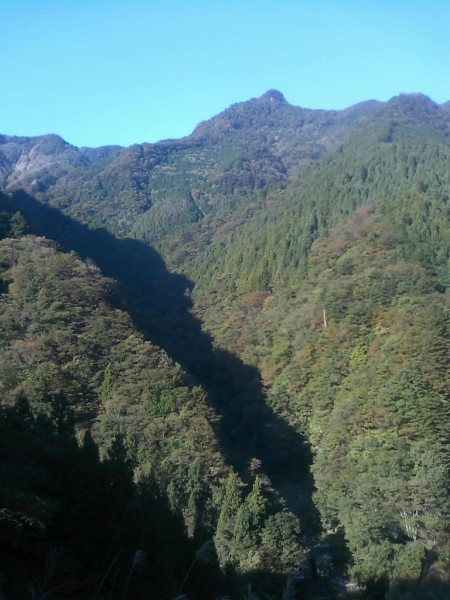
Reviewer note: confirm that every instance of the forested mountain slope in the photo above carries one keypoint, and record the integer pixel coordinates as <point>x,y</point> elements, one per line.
<point>356,358</point>
<point>73,366</point>
<point>156,189</point>
<point>337,292</point>
<point>304,334</point>
<point>398,161</point>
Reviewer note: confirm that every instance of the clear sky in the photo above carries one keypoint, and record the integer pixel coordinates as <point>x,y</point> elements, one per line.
<point>123,71</point>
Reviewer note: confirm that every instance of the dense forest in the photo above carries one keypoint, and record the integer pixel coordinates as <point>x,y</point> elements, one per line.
<point>224,365</point>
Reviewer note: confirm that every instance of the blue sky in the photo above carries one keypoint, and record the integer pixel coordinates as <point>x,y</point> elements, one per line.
<point>118,72</point>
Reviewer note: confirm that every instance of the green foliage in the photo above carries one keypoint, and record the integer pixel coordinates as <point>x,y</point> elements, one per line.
<point>317,243</point>
<point>254,535</point>
<point>77,357</point>
<point>12,222</point>
<point>69,524</point>
<point>371,390</point>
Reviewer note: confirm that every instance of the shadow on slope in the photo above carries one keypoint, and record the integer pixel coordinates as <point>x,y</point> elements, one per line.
<point>58,494</point>
<point>159,303</point>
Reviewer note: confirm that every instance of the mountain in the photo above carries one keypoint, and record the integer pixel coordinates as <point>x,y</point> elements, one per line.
<point>166,185</point>
<point>333,291</point>
<point>255,318</point>
<point>397,161</point>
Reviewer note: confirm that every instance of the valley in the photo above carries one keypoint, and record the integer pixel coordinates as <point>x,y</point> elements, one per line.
<point>238,342</point>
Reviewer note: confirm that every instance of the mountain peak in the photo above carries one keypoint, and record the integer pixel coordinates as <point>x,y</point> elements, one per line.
<point>273,96</point>
<point>412,103</point>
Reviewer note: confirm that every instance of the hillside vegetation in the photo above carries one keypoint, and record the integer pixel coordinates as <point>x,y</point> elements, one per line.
<point>254,348</point>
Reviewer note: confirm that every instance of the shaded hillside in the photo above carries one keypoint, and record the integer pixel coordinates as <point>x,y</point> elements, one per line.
<point>75,527</point>
<point>72,366</point>
<point>66,338</point>
<point>69,345</point>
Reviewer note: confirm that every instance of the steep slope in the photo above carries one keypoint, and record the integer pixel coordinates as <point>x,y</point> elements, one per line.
<point>66,339</point>
<point>71,357</point>
<point>406,177</point>
<point>337,293</point>
<point>73,366</point>
<point>357,358</point>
